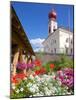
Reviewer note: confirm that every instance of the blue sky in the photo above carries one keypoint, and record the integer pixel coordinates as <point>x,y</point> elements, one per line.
<point>34,19</point>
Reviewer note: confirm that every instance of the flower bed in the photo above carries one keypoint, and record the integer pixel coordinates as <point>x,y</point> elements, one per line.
<point>48,79</point>
<point>44,84</point>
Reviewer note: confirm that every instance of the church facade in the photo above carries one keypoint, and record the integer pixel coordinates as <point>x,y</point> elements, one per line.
<point>59,40</point>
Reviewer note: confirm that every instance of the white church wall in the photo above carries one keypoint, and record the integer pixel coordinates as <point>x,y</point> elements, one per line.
<point>54,42</point>
<point>51,44</point>
<point>58,42</point>
<point>64,40</point>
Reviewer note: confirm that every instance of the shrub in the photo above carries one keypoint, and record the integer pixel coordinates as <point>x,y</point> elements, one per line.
<point>64,62</point>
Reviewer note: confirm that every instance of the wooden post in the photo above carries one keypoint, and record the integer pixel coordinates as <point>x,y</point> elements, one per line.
<point>15,61</point>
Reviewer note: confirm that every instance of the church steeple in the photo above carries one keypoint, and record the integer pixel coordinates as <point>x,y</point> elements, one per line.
<point>52,26</point>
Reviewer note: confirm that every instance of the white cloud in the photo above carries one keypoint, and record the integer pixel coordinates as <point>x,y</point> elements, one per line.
<point>37,41</point>
<point>37,44</point>
<point>39,49</point>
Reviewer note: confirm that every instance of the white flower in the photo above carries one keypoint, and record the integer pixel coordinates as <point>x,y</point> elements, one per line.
<point>13,86</point>
<point>59,83</point>
<point>45,83</point>
<point>37,94</point>
<point>17,91</point>
<point>25,78</point>
<point>31,77</point>
<point>53,75</point>
<point>32,89</point>
<point>29,84</point>
<point>41,94</point>
<point>47,93</point>
<point>45,89</point>
<point>67,87</point>
<point>21,89</point>
<point>37,77</point>
<point>52,91</point>
<point>30,96</point>
<point>35,87</point>
<point>45,75</point>
<point>34,95</point>
<point>42,80</point>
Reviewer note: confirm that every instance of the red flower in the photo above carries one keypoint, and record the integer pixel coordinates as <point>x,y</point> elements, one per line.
<point>37,72</point>
<point>15,79</point>
<point>37,63</point>
<point>52,66</point>
<point>20,75</point>
<point>34,74</point>
<point>42,70</point>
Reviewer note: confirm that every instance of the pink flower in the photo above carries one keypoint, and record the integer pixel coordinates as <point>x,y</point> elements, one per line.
<point>66,77</point>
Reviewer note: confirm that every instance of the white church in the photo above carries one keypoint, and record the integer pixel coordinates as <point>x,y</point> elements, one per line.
<point>59,40</point>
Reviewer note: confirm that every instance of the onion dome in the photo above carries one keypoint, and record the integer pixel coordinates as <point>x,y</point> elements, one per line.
<point>52,14</point>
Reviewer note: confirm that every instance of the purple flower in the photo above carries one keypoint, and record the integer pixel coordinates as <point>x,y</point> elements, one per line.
<point>21,66</point>
<point>30,65</point>
<point>66,77</point>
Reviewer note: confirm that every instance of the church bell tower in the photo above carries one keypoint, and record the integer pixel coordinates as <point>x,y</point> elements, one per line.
<point>52,25</point>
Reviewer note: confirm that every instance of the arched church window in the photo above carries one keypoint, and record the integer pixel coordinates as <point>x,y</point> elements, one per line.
<point>51,51</point>
<point>71,41</point>
<point>54,29</point>
<point>55,41</point>
<point>55,50</point>
<point>66,50</point>
<point>71,50</point>
<point>67,40</point>
<point>49,30</point>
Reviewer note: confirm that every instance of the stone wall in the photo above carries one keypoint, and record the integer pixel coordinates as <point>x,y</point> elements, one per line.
<point>45,57</point>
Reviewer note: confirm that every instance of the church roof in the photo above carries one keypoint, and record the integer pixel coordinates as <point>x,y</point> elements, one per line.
<point>66,30</point>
